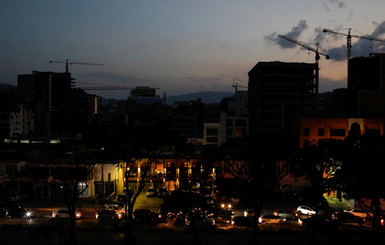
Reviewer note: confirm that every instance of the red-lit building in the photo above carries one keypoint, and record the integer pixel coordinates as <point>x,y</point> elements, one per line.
<point>312,130</point>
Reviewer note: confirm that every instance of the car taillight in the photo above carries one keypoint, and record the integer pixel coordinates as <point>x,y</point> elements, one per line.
<point>382,221</point>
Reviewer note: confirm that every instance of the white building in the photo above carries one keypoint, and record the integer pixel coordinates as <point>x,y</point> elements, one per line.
<point>21,123</point>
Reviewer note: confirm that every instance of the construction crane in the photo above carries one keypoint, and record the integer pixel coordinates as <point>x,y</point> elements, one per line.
<point>68,62</point>
<point>315,50</point>
<point>317,55</point>
<point>236,86</point>
<point>349,39</point>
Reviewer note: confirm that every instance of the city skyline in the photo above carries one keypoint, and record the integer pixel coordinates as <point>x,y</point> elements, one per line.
<point>181,46</point>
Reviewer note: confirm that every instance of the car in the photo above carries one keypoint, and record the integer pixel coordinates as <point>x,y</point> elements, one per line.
<point>210,199</point>
<point>146,216</point>
<point>63,213</point>
<point>115,207</point>
<point>248,213</point>
<point>242,221</point>
<point>14,210</point>
<point>360,213</point>
<point>271,219</point>
<point>199,219</point>
<point>150,192</point>
<point>305,210</point>
<point>195,189</point>
<point>284,214</point>
<point>107,215</point>
<point>318,223</point>
<point>226,203</point>
<point>162,192</point>
<point>347,218</point>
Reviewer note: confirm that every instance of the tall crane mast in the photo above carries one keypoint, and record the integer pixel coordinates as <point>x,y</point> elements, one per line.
<point>349,39</point>
<point>315,50</point>
<point>68,62</point>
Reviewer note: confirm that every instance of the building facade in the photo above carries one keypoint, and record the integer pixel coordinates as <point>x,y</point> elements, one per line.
<point>279,93</point>
<point>365,95</point>
<point>313,130</point>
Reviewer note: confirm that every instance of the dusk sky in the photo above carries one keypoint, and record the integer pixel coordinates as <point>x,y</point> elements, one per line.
<point>181,46</point>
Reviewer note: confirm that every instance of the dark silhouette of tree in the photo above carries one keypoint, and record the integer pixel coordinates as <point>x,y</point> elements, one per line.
<point>318,162</point>
<point>252,164</point>
<point>68,174</point>
<point>362,173</point>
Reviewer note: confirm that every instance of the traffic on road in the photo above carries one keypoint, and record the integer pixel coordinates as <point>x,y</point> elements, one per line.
<point>163,212</point>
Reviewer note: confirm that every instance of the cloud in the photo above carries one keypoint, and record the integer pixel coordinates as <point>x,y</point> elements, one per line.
<point>295,32</point>
<point>339,4</point>
<point>360,46</point>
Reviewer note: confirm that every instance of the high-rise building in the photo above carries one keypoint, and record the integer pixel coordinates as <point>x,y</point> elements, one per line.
<point>279,93</point>
<point>366,86</point>
<point>48,95</point>
<point>58,109</point>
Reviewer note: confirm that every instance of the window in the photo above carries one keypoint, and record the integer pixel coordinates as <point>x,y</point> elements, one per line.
<point>337,132</point>
<point>306,131</point>
<point>211,131</point>
<point>240,123</point>
<point>240,132</point>
<point>229,132</point>
<point>373,132</point>
<point>212,139</point>
<point>321,132</point>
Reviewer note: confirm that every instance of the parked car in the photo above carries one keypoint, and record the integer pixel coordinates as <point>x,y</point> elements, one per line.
<point>108,215</point>
<point>199,220</point>
<point>162,192</point>
<point>271,219</point>
<point>360,213</point>
<point>210,199</point>
<point>150,192</point>
<point>248,213</point>
<point>148,217</point>
<point>63,213</point>
<point>305,210</point>
<point>195,189</point>
<point>318,223</point>
<point>347,218</point>
<point>286,214</point>
<point>242,221</point>
<point>115,207</point>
